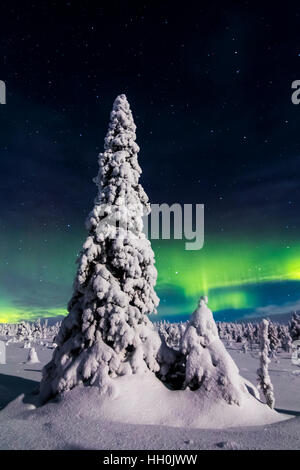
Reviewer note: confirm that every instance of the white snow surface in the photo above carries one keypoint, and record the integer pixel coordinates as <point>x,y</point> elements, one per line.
<point>141,413</point>
<point>143,399</point>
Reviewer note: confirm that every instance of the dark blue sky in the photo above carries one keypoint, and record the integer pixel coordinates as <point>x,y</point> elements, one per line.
<point>210,89</point>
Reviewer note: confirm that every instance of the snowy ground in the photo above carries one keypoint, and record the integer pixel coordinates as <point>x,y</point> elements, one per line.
<point>74,424</point>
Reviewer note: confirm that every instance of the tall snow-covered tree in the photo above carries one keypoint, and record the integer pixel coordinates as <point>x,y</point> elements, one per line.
<point>264,381</point>
<point>107,331</point>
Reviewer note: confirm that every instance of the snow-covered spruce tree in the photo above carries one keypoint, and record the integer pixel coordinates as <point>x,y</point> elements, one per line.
<point>250,335</point>
<point>209,367</point>
<point>107,331</point>
<point>273,338</point>
<point>23,331</point>
<point>32,357</point>
<point>245,347</point>
<point>294,327</point>
<point>286,340</point>
<point>264,381</point>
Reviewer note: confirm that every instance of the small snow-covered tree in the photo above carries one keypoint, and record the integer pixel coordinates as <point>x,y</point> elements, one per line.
<point>273,338</point>
<point>107,331</point>
<point>250,335</point>
<point>286,340</point>
<point>294,327</point>
<point>209,367</point>
<point>239,338</point>
<point>264,381</point>
<point>32,357</point>
<point>23,331</point>
<point>172,333</point>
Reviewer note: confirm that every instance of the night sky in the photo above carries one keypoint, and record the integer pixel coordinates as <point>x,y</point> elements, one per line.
<point>210,91</point>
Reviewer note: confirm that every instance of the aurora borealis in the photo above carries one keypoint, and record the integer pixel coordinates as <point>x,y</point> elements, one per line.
<point>239,278</point>
<point>215,124</point>
<point>236,276</point>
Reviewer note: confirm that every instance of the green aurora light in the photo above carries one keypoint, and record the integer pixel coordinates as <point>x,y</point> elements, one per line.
<point>236,274</point>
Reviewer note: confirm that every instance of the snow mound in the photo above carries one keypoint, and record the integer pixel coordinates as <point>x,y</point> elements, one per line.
<point>142,399</point>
